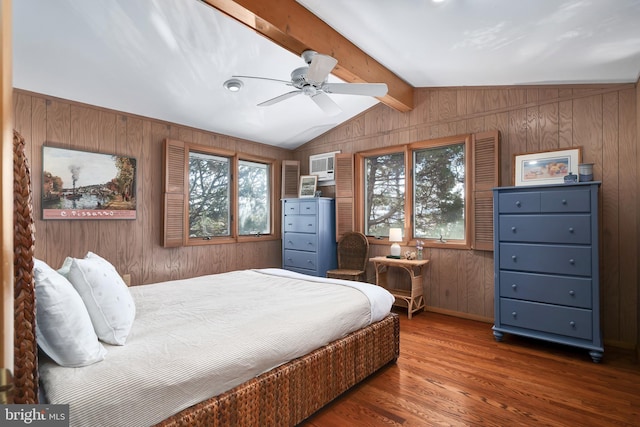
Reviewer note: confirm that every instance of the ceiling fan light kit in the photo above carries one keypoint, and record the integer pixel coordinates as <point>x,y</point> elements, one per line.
<point>312,82</point>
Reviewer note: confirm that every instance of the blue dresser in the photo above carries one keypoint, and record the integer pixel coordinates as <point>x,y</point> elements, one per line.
<point>309,235</point>
<point>546,270</point>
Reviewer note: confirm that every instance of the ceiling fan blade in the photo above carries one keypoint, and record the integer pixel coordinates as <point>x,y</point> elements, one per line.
<point>370,89</point>
<point>279,98</point>
<point>327,104</point>
<point>320,67</point>
<point>264,78</point>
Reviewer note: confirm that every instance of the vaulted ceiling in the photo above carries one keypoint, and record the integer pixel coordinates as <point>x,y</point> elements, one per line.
<point>168,59</point>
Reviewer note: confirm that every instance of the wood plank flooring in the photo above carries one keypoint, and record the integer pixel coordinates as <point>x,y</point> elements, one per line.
<point>452,372</point>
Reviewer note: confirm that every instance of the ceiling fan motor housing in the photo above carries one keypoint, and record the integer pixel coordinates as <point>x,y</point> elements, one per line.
<point>299,77</point>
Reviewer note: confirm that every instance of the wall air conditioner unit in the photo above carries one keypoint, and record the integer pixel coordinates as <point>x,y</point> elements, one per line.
<point>322,165</point>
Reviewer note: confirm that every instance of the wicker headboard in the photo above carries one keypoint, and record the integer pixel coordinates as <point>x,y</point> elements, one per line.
<point>25,369</point>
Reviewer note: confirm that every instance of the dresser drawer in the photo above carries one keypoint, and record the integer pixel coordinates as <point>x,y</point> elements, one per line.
<point>566,201</point>
<point>301,241</point>
<point>558,259</point>
<point>300,223</point>
<point>567,321</point>
<point>308,208</point>
<point>291,207</point>
<point>572,229</point>
<point>300,259</point>
<point>524,202</point>
<point>561,290</point>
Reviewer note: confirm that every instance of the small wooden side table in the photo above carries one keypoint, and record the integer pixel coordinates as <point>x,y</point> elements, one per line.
<point>412,299</point>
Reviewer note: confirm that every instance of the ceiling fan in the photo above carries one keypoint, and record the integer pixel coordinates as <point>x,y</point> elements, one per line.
<point>312,81</point>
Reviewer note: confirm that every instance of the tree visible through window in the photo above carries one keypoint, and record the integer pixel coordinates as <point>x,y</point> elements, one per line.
<point>384,193</point>
<point>209,204</point>
<point>253,198</point>
<point>439,192</point>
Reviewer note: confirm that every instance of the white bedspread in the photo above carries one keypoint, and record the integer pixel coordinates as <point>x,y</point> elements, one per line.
<point>193,339</point>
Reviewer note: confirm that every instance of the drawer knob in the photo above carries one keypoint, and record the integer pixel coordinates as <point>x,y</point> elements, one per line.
<point>513,229</point>
<point>570,229</point>
<point>514,314</point>
<point>309,225</point>
<point>518,203</point>
<point>564,201</point>
<point>572,292</point>
<point>572,324</point>
<point>514,258</point>
<point>514,286</point>
<point>572,261</point>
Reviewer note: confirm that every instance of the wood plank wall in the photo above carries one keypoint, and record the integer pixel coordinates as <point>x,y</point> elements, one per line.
<point>602,119</point>
<point>133,246</point>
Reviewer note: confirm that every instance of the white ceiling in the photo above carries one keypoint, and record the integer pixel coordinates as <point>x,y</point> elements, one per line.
<point>168,59</point>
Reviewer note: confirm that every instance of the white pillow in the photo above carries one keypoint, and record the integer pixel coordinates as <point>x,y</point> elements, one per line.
<point>66,265</point>
<point>106,297</point>
<point>63,327</point>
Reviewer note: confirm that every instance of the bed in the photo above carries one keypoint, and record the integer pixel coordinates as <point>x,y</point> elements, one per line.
<point>282,390</point>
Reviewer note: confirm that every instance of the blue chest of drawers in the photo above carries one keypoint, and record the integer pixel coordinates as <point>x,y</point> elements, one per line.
<point>546,271</point>
<point>309,235</point>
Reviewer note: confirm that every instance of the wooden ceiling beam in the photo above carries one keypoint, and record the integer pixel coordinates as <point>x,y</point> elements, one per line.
<point>293,27</point>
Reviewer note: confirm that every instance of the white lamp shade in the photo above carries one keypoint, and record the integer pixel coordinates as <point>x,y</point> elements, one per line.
<point>395,235</point>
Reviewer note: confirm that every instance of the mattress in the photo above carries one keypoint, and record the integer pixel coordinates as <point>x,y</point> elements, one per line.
<point>196,338</point>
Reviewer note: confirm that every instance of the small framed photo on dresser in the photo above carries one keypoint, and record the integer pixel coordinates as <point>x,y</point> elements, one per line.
<point>308,184</point>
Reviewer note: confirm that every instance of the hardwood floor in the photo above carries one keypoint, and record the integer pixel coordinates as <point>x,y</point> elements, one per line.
<point>452,372</point>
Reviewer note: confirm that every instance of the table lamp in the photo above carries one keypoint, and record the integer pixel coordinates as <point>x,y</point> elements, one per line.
<point>395,236</point>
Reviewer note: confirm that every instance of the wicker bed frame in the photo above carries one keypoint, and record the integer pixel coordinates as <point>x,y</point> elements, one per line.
<point>283,396</point>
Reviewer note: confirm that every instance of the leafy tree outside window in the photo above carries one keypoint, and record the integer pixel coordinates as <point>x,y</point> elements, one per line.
<point>209,198</point>
<point>254,210</point>
<point>384,183</point>
<point>439,192</point>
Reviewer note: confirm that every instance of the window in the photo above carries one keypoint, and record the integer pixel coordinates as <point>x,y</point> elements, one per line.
<point>254,207</point>
<point>209,195</point>
<point>215,196</point>
<point>437,191</point>
<point>384,186</point>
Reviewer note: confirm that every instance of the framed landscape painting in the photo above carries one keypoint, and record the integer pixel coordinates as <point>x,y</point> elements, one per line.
<point>548,167</point>
<point>86,185</point>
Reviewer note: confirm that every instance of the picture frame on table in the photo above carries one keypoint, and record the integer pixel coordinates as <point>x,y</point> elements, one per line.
<point>546,167</point>
<point>308,186</point>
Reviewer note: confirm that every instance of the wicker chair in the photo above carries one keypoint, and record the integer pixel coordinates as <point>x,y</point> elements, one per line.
<point>353,254</point>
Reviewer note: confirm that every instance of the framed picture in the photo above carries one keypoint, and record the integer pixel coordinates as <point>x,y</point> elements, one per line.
<point>547,167</point>
<point>308,185</point>
<point>86,185</point>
